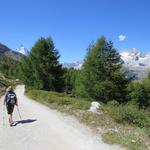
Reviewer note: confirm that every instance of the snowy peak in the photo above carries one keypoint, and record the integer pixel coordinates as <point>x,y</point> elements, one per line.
<point>131,54</point>
<point>135,58</point>
<point>23,50</point>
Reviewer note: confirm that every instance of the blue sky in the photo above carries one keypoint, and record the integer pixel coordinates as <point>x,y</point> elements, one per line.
<point>74,24</point>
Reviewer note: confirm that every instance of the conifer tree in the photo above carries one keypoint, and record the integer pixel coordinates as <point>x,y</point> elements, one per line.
<point>101,77</point>
<point>41,69</point>
<point>70,76</point>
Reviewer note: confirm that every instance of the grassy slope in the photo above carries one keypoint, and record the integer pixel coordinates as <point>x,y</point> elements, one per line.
<point>129,136</point>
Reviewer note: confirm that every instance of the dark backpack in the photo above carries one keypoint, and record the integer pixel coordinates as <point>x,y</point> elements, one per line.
<point>11,98</point>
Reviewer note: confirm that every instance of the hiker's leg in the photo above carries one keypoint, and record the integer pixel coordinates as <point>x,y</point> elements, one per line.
<point>10,118</point>
<point>10,111</point>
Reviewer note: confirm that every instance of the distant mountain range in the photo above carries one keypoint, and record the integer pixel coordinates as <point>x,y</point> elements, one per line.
<point>8,53</point>
<point>134,62</point>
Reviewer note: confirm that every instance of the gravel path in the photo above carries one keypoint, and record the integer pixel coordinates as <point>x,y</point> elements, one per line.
<point>44,129</point>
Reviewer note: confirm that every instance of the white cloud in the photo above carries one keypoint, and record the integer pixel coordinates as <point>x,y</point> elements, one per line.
<point>122,37</point>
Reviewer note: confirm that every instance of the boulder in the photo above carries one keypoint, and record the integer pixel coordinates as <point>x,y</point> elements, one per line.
<point>95,107</point>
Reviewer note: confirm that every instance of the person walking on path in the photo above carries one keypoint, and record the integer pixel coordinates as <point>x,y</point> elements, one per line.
<point>10,101</point>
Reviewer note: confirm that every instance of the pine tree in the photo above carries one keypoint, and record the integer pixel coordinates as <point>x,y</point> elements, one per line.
<point>101,77</point>
<point>41,69</point>
<point>70,76</point>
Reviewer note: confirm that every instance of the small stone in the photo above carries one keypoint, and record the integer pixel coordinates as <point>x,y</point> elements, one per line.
<point>133,141</point>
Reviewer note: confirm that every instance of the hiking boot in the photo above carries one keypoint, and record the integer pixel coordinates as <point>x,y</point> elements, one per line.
<point>10,122</point>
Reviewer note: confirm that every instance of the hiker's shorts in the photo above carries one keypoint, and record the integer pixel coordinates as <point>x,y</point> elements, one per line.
<point>10,109</point>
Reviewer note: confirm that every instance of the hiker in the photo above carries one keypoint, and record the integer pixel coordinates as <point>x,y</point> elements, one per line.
<point>10,100</point>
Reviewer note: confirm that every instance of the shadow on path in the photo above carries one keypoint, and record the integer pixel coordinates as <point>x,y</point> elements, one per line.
<point>15,123</point>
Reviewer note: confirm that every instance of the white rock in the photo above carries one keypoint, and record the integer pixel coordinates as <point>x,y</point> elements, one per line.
<point>95,106</point>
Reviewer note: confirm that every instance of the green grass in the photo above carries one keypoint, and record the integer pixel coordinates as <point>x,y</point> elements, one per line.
<point>54,99</point>
<point>110,123</point>
<point>128,140</point>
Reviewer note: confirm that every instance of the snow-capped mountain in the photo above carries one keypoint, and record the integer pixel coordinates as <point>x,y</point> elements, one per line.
<point>134,62</point>
<point>23,50</point>
<point>135,58</point>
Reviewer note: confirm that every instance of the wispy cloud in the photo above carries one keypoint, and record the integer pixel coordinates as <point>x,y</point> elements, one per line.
<point>122,37</point>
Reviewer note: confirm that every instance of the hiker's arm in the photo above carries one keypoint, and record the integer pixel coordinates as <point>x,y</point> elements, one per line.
<point>16,101</point>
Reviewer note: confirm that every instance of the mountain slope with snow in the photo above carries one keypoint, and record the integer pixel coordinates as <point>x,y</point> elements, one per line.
<point>135,58</point>
<point>9,53</point>
<point>136,62</point>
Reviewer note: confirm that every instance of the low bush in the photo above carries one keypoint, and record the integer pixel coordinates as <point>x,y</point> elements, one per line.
<point>131,114</point>
<point>113,103</point>
<point>139,93</point>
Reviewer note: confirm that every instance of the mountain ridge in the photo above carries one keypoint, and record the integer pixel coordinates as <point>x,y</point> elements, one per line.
<point>9,53</point>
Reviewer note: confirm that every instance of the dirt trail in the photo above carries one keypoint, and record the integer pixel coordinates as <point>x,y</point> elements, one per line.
<point>46,129</point>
